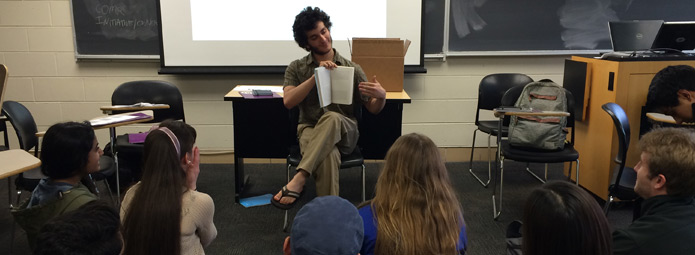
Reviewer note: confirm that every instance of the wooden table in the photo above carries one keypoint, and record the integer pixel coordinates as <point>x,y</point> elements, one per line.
<point>15,162</point>
<point>261,129</point>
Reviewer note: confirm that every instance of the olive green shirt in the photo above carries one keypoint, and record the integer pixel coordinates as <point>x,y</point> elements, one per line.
<point>309,110</point>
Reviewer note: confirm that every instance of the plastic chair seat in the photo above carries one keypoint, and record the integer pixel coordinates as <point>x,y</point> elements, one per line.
<point>539,156</point>
<point>490,127</point>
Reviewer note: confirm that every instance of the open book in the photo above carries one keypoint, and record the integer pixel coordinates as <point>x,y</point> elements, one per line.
<point>335,86</point>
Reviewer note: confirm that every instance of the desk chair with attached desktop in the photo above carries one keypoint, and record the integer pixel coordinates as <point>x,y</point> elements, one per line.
<point>530,155</point>
<point>490,91</point>
<point>129,155</point>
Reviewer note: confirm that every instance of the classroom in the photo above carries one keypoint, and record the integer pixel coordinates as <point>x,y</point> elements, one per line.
<point>37,44</point>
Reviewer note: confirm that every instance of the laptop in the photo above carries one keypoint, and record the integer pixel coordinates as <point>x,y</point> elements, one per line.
<point>676,36</point>
<point>635,35</point>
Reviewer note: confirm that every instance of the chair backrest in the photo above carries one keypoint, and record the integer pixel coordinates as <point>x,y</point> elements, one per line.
<point>493,87</point>
<point>23,123</point>
<point>622,127</point>
<point>155,92</point>
<point>3,82</point>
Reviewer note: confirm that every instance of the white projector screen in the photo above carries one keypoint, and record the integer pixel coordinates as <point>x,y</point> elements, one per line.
<point>231,33</point>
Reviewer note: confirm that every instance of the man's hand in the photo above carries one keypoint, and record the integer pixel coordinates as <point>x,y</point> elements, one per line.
<point>372,89</point>
<point>193,169</point>
<point>328,65</point>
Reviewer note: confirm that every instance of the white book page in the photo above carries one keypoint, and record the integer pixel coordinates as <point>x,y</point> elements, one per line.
<point>342,79</point>
<point>323,85</point>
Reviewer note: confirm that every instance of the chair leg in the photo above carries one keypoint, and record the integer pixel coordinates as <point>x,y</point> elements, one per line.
<point>285,225</point>
<point>528,170</point>
<point>607,207</point>
<point>577,173</point>
<point>489,162</point>
<point>363,183</point>
<point>495,212</point>
<point>9,200</point>
<point>108,187</point>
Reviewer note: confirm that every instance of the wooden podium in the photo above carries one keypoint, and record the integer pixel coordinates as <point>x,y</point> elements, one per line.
<point>625,83</point>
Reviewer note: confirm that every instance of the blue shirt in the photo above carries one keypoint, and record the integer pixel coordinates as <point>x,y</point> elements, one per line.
<point>370,231</point>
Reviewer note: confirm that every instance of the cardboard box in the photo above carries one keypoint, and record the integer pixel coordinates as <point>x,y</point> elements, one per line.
<point>382,57</point>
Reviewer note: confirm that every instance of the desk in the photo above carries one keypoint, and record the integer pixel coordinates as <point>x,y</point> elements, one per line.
<point>15,162</point>
<point>261,130</point>
<point>623,83</point>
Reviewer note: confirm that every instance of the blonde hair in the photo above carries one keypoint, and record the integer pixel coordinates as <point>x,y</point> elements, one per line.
<point>415,208</point>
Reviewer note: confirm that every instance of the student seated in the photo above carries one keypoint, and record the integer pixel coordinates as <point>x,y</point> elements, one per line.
<point>163,213</point>
<point>666,181</point>
<point>415,209</point>
<point>672,92</point>
<point>69,152</point>
<point>561,218</point>
<point>326,225</point>
<point>93,229</point>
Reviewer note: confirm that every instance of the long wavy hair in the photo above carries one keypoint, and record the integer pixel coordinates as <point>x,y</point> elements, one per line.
<point>415,206</point>
<point>152,224</point>
<point>561,218</point>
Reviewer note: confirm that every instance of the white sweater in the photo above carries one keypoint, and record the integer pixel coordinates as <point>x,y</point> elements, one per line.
<point>197,228</point>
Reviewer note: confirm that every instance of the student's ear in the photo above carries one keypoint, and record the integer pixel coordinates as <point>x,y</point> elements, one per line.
<point>686,94</point>
<point>286,247</point>
<point>660,182</point>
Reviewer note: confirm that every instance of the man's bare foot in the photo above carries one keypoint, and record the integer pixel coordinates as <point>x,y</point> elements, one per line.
<point>296,185</point>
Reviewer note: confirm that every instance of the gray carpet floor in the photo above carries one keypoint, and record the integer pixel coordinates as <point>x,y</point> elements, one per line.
<point>258,230</point>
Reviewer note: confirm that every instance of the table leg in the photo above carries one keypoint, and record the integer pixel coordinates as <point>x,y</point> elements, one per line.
<point>239,179</point>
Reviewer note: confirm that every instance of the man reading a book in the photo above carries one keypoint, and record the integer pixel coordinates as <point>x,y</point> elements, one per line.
<point>324,133</point>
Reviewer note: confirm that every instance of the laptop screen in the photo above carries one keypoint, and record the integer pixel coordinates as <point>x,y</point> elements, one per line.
<point>633,35</point>
<point>676,36</point>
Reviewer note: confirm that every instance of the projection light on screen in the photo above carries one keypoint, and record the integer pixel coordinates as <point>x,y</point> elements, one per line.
<point>271,20</point>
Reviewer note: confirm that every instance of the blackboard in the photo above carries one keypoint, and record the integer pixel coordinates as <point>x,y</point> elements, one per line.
<point>541,25</point>
<point>115,29</point>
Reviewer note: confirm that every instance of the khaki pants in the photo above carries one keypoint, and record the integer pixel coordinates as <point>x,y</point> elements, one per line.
<point>321,146</point>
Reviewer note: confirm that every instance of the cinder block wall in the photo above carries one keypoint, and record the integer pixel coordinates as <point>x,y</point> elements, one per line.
<point>36,43</point>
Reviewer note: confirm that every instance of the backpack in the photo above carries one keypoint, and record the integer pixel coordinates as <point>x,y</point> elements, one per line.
<point>540,132</point>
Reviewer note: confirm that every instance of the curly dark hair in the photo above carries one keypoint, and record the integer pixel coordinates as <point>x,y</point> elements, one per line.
<point>663,90</point>
<point>305,21</point>
<point>90,230</point>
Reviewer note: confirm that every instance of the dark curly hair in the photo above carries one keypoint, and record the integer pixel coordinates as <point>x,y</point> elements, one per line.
<point>663,90</point>
<point>305,21</point>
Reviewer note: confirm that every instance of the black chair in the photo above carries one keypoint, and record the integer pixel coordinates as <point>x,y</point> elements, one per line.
<point>129,155</point>
<point>531,155</point>
<point>3,126</point>
<point>24,125</point>
<point>354,159</point>
<point>490,91</point>
<point>624,178</point>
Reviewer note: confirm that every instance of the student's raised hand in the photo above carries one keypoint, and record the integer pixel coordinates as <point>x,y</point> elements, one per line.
<point>372,89</point>
<point>193,169</point>
<point>328,64</point>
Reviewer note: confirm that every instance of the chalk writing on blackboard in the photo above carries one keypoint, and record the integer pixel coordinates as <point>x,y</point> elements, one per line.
<point>116,27</point>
